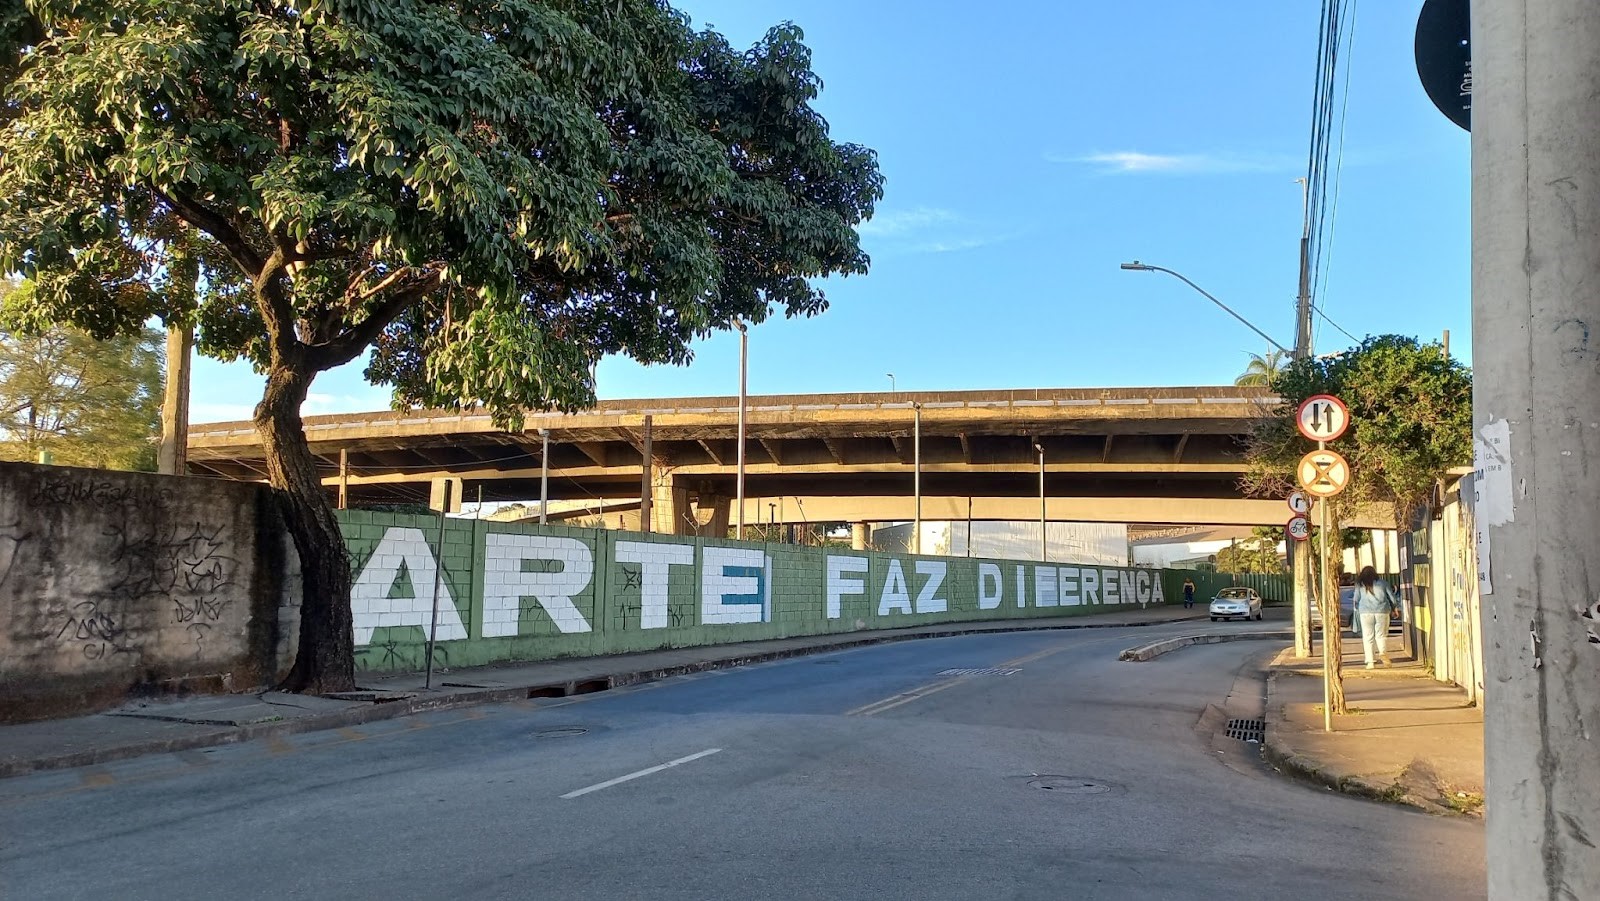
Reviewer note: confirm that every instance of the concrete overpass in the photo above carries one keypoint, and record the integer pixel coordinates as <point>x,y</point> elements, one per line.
<point>1131,455</point>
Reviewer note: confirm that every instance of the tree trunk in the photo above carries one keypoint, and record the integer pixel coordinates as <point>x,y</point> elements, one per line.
<point>1333,638</point>
<point>326,658</point>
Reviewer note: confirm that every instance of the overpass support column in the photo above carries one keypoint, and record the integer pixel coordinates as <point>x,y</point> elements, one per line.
<point>1535,410</point>
<point>860,536</point>
<point>670,513</point>
<point>711,509</point>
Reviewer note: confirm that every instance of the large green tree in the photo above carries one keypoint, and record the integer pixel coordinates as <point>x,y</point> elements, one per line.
<point>85,402</point>
<point>1410,423</point>
<point>488,194</point>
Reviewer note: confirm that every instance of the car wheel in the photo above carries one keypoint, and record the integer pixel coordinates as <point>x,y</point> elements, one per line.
<point>1213,619</point>
<point>1258,616</point>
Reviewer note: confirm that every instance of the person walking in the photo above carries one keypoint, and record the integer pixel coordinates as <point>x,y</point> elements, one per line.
<point>1188,593</point>
<point>1376,603</point>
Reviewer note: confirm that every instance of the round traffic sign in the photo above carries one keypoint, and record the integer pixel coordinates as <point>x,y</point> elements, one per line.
<point>1299,503</point>
<point>1322,417</point>
<point>1299,528</point>
<point>1323,473</point>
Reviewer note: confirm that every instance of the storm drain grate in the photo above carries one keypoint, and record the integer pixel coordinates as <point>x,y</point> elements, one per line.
<point>1247,730</point>
<point>979,671</point>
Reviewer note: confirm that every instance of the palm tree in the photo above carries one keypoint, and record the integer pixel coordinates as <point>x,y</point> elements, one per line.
<point>1262,369</point>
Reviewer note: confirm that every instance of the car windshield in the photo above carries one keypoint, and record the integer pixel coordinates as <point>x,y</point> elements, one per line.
<point>1234,594</point>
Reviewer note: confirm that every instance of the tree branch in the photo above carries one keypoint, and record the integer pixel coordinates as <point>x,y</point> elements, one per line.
<point>218,227</point>
<point>349,345</point>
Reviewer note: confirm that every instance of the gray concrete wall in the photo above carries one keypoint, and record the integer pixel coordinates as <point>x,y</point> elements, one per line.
<point>112,583</point>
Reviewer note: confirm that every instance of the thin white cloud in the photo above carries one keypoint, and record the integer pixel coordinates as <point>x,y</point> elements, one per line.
<point>901,222</point>
<point>954,245</point>
<point>925,230</point>
<point>1134,162</point>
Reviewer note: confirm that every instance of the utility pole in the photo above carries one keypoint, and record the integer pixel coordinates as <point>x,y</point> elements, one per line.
<point>1535,398</point>
<point>1302,318</point>
<point>1299,558</point>
<point>173,455</point>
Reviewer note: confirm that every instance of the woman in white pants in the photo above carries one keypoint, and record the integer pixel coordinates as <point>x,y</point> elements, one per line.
<point>1375,603</point>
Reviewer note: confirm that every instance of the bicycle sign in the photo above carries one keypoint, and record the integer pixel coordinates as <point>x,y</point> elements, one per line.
<point>1299,528</point>
<point>1323,473</point>
<point>1322,417</point>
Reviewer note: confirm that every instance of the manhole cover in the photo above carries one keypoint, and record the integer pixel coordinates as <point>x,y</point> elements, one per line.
<point>1247,730</point>
<point>979,671</point>
<point>1069,785</point>
<point>561,732</point>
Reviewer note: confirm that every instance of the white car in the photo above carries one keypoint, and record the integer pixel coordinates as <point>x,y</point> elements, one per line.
<point>1231,602</point>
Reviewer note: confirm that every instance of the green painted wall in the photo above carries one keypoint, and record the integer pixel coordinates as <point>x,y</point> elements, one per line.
<point>514,592</point>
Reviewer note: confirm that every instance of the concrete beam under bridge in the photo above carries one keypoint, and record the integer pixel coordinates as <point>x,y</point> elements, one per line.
<point>1147,510</point>
<point>1152,510</point>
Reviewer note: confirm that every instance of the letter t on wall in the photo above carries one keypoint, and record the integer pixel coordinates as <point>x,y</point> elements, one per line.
<point>654,561</point>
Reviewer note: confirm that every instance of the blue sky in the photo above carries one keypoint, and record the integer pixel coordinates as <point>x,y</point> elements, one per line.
<point>1030,146</point>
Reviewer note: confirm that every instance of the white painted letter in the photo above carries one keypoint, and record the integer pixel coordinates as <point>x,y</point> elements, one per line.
<point>1144,586</point>
<point>839,585</point>
<point>1108,587</point>
<point>1129,586</point>
<point>1022,586</point>
<point>371,605</point>
<point>1044,586</point>
<point>896,596</point>
<point>735,586</point>
<point>507,581</point>
<point>1091,585</point>
<point>1069,586</point>
<point>928,600</point>
<point>1157,596</point>
<point>991,586</point>
<point>654,562</point>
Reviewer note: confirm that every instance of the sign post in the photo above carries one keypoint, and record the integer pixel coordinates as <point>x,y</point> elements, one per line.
<point>1323,474</point>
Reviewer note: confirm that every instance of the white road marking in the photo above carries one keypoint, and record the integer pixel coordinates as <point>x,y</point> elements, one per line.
<point>645,772</point>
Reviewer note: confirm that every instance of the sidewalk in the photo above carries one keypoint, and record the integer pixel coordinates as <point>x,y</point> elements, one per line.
<point>160,725</point>
<point>1408,739</point>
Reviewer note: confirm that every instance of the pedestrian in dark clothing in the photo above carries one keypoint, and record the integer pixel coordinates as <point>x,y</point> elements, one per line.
<point>1188,593</point>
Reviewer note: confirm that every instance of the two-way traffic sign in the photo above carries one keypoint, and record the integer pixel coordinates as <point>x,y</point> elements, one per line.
<point>1322,417</point>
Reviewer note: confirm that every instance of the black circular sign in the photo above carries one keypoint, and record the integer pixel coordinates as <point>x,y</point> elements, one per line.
<point>1444,57</point>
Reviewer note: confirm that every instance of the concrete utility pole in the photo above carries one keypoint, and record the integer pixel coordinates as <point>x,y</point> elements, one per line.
<point>173,456</point>
<point>1302,349</point>
<point>1536,416</point>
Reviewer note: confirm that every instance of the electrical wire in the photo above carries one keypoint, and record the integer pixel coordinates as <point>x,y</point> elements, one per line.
<point>1329,114</point>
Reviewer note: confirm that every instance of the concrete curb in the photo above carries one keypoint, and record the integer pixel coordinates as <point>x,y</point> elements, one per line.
<point>1298,765</point>
<point>355,716</point>
<point>1153,650</point>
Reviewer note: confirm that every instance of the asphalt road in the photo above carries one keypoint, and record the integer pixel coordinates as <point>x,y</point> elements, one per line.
<point>858,774</point>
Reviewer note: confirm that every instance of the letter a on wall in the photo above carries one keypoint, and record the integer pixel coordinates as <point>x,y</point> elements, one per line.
<point>371,597</point>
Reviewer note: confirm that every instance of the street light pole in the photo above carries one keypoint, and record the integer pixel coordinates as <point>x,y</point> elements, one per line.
<point>1137,266</point>
<point>744,365</point>
<point>544,477</point>
<point>1044,544</point>
<point>916,479</point>
<point>892,387</point>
